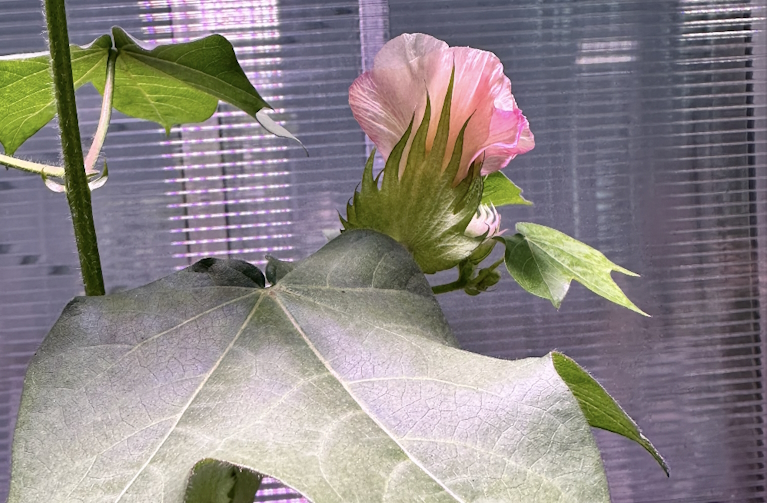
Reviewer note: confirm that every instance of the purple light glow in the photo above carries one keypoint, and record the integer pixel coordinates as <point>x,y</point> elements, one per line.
<point>231,240</point>
<point>230,227</point>
<point>264,249</point>
<point>226,177</point>
<point>226,165</point>
<point>226,152</point>
<point>227,189</point>
<point>202,141</point>
<point>231,214</point>
<point>228,202</point>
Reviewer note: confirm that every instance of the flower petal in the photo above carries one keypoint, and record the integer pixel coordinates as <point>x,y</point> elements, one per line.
<point>385,100</point>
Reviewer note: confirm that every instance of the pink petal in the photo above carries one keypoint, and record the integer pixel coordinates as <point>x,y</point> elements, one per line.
<point>385,99</point>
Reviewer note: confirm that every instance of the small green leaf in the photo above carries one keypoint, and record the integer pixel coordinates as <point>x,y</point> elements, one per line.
<point>214,481</point>
<point>26,98</point>
<point>544,261</point>
<point>500,191</point>
<point>600,409</point>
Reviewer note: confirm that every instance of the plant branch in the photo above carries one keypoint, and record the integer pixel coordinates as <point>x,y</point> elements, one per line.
<point>32,167</point>
<point>78,192</point>
<point>465,279</point>
<point>458,284</point>
<point>105,117</point>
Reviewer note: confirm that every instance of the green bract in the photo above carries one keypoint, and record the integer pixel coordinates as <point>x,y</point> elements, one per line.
<point>423,209</point>
<point>500,191</point>
<point>170,84</point>
<point>343,380</point>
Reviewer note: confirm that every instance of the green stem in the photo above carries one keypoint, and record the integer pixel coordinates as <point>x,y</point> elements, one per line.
<point>463,280</point>
<point>459,284</point>
<point>32,167</point>
<point>78,192</point>
<point>105,117</point>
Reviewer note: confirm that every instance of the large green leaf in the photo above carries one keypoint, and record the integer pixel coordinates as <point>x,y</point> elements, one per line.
<point>544,261</point>
<point>500,191</point>
<point>26,96</point>
<point>343,380</point>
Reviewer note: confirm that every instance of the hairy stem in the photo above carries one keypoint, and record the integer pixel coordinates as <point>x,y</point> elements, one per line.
<point>105,117</point>
<point>78,192</point>
<point>32,167</point>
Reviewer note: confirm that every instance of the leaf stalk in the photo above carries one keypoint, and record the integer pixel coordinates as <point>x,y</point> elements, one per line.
<point>105,117</point>
<point>32,167</point>
<point>465,279</point>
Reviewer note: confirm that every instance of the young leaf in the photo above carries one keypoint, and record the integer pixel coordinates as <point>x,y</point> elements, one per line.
<point>26,89</point>
<point>180,83</point>
<point>544,261</point>
<point>215,481</point>
<point>343,381</point>
<point>500,191</point>
<point>600,409</point>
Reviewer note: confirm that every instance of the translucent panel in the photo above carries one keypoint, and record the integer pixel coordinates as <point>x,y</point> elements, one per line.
<point>650,123</point>
<point>647,116</point>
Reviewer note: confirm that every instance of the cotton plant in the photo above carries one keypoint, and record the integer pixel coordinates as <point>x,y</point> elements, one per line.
<point>337,375</point>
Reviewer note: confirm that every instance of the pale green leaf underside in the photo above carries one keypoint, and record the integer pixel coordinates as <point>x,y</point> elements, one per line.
<point>26,96</point>
<point>343,381</point>
<point>600,409</point>
<point>500,191</point>
<point>544,261</point>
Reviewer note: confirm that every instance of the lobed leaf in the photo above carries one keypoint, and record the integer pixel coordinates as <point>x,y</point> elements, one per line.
<point>343,380</point>
<point>500,191</point>
<point>544,261</point>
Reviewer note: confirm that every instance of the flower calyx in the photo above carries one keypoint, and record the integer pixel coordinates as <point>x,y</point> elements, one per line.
<point>424,207</point>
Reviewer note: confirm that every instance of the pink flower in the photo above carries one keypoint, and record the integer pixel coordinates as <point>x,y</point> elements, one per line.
<point>384,99</point>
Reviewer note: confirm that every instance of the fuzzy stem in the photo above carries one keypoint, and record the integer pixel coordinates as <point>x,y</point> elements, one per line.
<point>105,117</point>
<point>32,167</point>
<point>78,192</point>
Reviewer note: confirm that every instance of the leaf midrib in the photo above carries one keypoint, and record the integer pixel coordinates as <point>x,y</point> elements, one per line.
<point>343,383</point>
<point>156,64</point>
<point>332,371</point>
